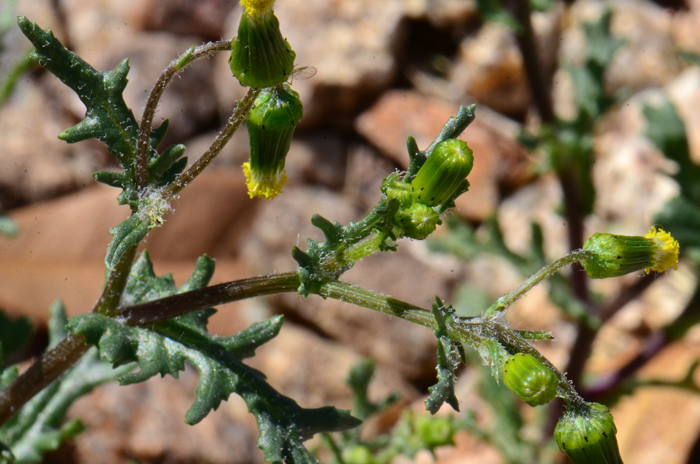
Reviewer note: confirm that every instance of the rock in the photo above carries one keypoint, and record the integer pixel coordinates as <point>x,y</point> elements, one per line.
<point>366,170</point>
<point>631,176</point>
<point>203,18</point>
<point>445,13</point>
<point>286,221</point>
<point>684,26</point>
<point>648,56</point>
<point>490,69</point>
<point>646,421</point>
<point>312,370</point>
<point>684,92</point>
<point>498,158</point>
<point>214,213</point>
<point>35,164</point>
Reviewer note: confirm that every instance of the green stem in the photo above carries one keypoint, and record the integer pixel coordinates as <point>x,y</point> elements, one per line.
<point>41,374</point>
<point>190,56</point>
<point>8,85</point>
<point>359,296</point>
<point>239,115</point>
<point>545,273</point>
<point>352,254</point>
<point>145,314</point>
<point>116,282</point>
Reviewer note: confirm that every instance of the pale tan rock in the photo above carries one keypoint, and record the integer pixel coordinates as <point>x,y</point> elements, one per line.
<point>490,69</point>
<point>312,370</point>
<point>646,59</point>
<point>35,164</point>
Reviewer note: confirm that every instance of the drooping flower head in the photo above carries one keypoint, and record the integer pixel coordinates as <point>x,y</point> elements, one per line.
<point>271,124</point>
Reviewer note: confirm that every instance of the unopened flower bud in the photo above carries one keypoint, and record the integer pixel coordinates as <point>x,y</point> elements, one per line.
<point>443,172</point>
<point>529,379</point>
<point>271,124</point>
<point>611,255</point>
<point>418,220</point>
<point>396,189</point>
<point>260,56</point>
<point>587,435</point>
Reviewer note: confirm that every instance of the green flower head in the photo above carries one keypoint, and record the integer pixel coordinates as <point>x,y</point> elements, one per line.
<point>609,255</point>
<point>260,56</point>
<point>587,435</point>
<point>271,125</point>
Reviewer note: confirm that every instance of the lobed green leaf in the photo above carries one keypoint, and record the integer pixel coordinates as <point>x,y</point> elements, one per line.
<point>165,347</point>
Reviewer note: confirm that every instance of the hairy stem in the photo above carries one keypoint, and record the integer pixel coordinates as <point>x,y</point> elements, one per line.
<point>41,374</point>
<point>116,282</point>
<point>190,56</point>
<point>546,272</point>
<point>239,115</point>
<point>145,314</point>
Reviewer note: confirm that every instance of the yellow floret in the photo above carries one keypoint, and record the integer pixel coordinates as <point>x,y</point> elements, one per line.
<point>257,8</point>
<point>667,249</point>
<point>267,187</point>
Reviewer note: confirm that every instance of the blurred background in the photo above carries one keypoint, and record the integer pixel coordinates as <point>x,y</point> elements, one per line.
<point>573,135</point>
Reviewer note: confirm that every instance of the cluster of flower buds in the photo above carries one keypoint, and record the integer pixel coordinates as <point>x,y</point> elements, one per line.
<point>529,379</point>
<point>609,255</point>
<point>436,183</point>
<point>262,58</point>
<point>587,435</point>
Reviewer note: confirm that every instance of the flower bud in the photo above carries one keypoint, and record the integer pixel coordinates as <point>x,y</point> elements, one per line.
<point>611,255</point>
<point>271,124</point>
<point>418,220</point>
<point>529,379</point>
<point>396,189</point>
<point>435,431</point>
<point>443,172</point>
<point>587,435</point>
<point>260,56</point>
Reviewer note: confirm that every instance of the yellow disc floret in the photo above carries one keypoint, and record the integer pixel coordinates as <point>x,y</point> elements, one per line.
<point>257,8</point>
<point>667,249</point>
<point>263,186</point>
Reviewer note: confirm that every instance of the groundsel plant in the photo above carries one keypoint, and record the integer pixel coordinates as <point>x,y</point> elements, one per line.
<point>144,325</point>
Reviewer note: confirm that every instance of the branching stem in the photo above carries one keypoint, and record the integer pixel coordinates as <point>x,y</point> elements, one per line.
<point>190,56</point>
<point>239,115</point>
